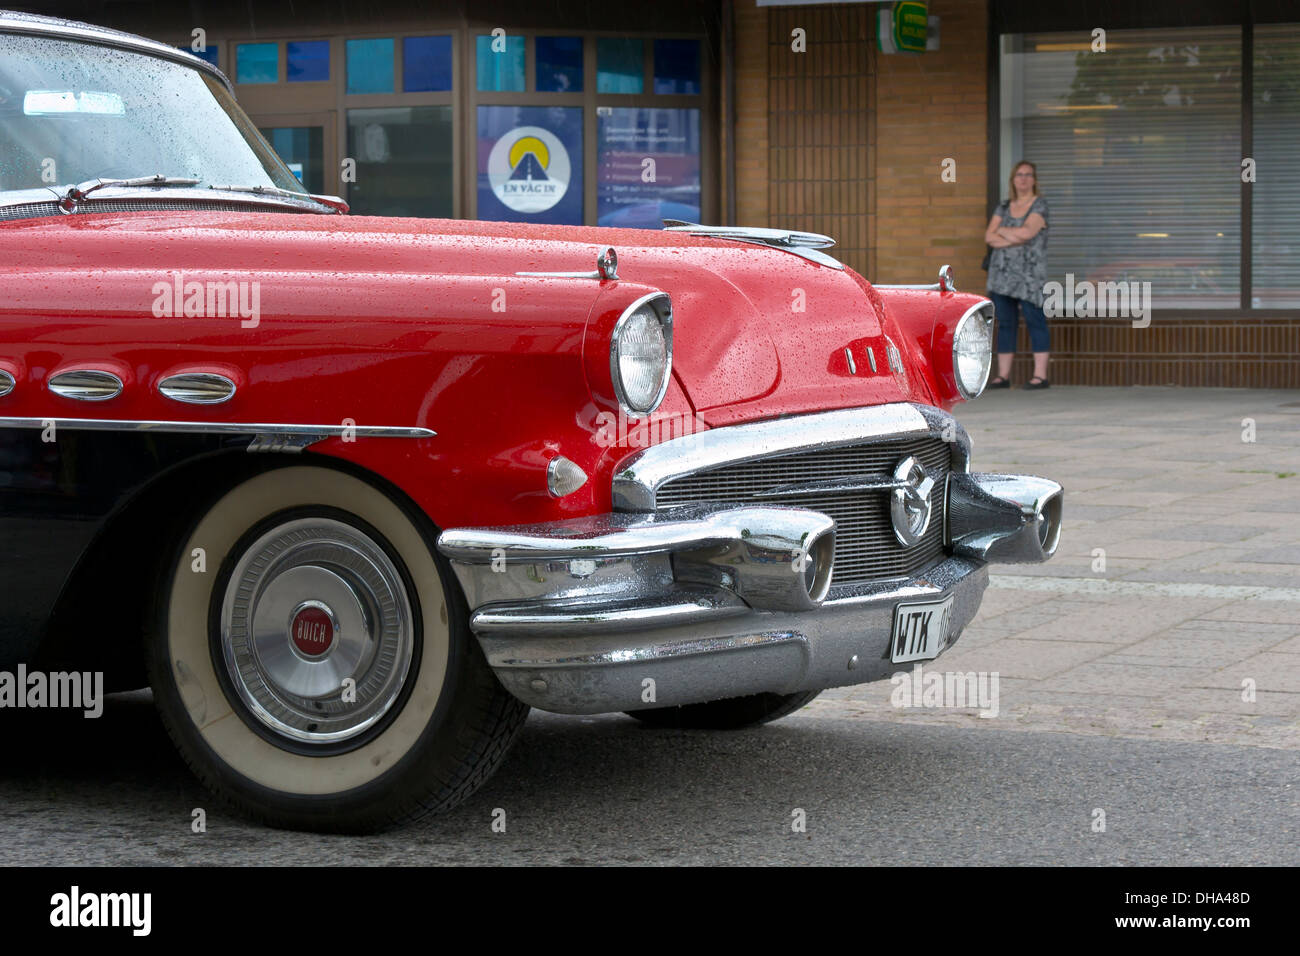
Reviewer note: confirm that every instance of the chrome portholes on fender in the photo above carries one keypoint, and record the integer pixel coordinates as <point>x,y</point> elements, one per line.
<point>7,382</point>
<point>86,384</point>
<point>197,388</point>
<point>316,631</point>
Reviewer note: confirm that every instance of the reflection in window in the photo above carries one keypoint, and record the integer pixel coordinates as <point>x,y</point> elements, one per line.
<point>426,64</point>
<point>257,63</point>
<point>1275,194</point>
<point>677,66</point>
<point>370,66</point>
<point>620,65</point>
<point>403,156</point>
<point>1131,148</point>
<point>559,64</point>
<point>500,69</point>
<point>307,61</point>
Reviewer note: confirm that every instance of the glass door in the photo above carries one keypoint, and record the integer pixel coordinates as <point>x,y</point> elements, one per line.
<point>300,140</point>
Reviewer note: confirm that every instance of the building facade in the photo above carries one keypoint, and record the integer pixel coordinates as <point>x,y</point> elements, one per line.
<point>1166,137</point>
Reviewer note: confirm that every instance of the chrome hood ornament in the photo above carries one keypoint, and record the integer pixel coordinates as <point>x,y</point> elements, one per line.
<point>805,244</point>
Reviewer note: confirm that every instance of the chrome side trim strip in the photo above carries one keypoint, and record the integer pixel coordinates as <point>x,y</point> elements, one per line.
<point>197,388</point>
<point>640,475</point>
<point>86,384</point>
<point>221,428</point>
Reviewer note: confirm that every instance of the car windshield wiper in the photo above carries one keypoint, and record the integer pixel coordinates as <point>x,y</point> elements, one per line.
<point>77,193</point>
<point>329,202</point>
<point>264,191</point>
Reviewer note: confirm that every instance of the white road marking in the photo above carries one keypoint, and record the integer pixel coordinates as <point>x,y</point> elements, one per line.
<point>1025,582</point>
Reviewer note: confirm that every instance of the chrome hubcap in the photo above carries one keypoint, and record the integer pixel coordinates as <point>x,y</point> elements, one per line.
<point>317,631</point>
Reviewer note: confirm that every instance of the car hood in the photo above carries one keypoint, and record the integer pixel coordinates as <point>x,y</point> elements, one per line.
<point>758,331</point>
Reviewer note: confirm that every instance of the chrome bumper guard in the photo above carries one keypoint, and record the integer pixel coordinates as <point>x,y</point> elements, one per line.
<point>590,615</point>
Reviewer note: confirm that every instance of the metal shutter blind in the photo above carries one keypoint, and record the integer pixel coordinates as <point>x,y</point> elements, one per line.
<point>1275,195</point>
<point>1138,152</point>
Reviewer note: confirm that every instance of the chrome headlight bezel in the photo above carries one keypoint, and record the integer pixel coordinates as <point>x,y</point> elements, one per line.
<point>658,305</point>
<point>977,321</point>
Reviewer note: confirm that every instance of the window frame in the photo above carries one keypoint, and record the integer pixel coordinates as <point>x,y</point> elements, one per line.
<point>590,101</point>
<point>1020,17</point>
<point>284,104</point>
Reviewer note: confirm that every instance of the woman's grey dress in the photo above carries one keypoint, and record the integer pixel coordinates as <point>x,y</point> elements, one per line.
<point>1021,271</point>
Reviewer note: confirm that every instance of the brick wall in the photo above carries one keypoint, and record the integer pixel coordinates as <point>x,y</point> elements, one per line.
<point>819,124</point>
<point>843,140</point>
<point>928,108</point>
<point>751,113</point>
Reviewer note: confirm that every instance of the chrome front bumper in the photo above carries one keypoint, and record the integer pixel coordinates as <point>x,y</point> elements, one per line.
<point>587,616</point>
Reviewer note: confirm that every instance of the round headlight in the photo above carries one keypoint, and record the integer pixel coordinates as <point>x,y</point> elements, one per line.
<point>972,350</point>
<point>641,353</point>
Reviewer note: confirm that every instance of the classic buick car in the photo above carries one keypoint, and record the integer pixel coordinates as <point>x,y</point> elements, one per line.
<point>352,494</point>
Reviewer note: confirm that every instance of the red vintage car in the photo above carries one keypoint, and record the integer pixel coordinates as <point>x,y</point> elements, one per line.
<point>351,494</point>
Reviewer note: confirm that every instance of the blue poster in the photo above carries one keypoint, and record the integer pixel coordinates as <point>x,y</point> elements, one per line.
<point>648,166</point>
<point>530,164</point>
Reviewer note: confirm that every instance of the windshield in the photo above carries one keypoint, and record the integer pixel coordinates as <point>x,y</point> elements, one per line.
<point>72,112</point>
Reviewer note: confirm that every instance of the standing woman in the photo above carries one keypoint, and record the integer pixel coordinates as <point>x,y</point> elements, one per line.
<point>1017,272</point>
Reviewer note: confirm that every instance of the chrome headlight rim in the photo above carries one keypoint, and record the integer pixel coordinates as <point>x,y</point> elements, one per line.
<point>980,312</point>
<point>662,306</point>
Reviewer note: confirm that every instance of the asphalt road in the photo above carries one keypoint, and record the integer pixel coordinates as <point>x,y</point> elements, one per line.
<point>606,790</point>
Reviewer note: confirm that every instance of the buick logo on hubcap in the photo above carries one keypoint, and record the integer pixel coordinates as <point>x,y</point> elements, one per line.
<point>312,629</point>
<point>910,502</point>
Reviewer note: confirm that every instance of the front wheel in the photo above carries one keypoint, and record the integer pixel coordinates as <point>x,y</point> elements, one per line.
<point>730,714</point>
<point>312,660</point>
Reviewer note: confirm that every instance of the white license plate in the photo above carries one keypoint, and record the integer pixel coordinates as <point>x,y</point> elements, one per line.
<point>920,631</point>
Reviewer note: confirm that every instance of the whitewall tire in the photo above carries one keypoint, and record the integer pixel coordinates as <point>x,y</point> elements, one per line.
<point>312,659</point>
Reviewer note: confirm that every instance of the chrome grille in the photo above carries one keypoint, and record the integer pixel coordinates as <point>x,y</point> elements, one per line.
<point>865,546</point>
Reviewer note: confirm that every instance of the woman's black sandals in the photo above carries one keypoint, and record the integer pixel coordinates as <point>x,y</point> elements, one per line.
<point>1037,382</point>
<point>998,382</point>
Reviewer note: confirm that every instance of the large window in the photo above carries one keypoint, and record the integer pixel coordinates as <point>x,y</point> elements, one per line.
<point>565,127</point>
<point>1275,194</point>
<point>1138,151</point>
<point>535,156</point>
<point>404,161</point>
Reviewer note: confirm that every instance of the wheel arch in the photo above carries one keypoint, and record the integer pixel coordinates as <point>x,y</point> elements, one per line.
<point>122,570</point>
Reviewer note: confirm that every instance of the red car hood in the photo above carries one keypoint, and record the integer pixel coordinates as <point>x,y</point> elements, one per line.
<point>758,332</point>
